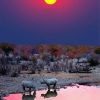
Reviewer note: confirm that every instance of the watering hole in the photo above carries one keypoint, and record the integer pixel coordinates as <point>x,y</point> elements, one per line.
<point>69,93</point>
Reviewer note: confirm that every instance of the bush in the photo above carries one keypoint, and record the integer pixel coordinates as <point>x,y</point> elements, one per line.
<point>97,50</point>
<point>14,74</point>
<point>7,48</point>
<point>4,70</point>
<point>93,62</point>
<point>23,57</point>
<point>32,72</point>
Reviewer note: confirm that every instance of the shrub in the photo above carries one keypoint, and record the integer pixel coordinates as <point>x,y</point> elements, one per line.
<point>32,72</point>
<point>4,70</point>
<point>23,57</point>
<point>14,74</point>
<point>14,71</point>
<point>93,62</point>
<point>7,48</point>
<point>97,50</point>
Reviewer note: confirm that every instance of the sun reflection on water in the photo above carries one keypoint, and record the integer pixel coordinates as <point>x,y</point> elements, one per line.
<point>70,93</point>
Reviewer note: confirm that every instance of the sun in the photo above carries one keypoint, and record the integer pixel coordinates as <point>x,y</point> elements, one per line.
<point>50,2</point>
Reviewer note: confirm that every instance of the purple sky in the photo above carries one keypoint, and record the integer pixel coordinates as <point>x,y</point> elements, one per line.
<point>75,22</point>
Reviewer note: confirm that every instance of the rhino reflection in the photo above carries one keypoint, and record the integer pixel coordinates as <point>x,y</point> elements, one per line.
<point>50,94</point>
<point>29,97</point>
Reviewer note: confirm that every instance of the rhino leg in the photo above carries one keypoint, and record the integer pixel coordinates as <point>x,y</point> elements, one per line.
<point>30,91</point>
<point>48,86</point>
<point>54,86</point>
<point>24,89</point>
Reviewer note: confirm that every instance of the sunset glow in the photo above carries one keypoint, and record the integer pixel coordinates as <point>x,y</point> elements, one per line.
<point>50,2</point>
<point>55,21</point>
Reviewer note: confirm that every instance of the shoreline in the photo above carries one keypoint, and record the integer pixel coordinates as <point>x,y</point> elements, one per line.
<point>10,85</point>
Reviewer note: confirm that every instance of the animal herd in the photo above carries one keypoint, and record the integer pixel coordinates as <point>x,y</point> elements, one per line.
<point>28,87</point>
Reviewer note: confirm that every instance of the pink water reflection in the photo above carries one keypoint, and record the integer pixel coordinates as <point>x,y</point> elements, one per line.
<point>82,93</point>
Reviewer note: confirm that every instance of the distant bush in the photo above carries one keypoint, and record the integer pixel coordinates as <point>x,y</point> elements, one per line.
<point>93,62</point>
<point>97,50</point>
<point>34,60</point>
<point>4,70</point>
<point>23,57</point>
<point>32,72</point>
<point>14,74</point>
<point>15,71</point>
<point>7,48</point>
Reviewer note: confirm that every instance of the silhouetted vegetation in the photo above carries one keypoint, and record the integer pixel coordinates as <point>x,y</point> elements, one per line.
<point>4,70</point>
<point>93,62</point>
<point>97,50</point>
<point>23,57</point>
<point>7,48</point>
<point>14,74</point>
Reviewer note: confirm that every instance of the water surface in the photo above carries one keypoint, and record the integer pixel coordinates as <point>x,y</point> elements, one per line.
<point>70,93</point>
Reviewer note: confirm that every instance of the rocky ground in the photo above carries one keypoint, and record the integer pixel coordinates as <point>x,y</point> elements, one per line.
<point>13,85</point>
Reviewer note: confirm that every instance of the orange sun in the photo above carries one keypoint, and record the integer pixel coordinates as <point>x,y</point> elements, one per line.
<point>50,2</point>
